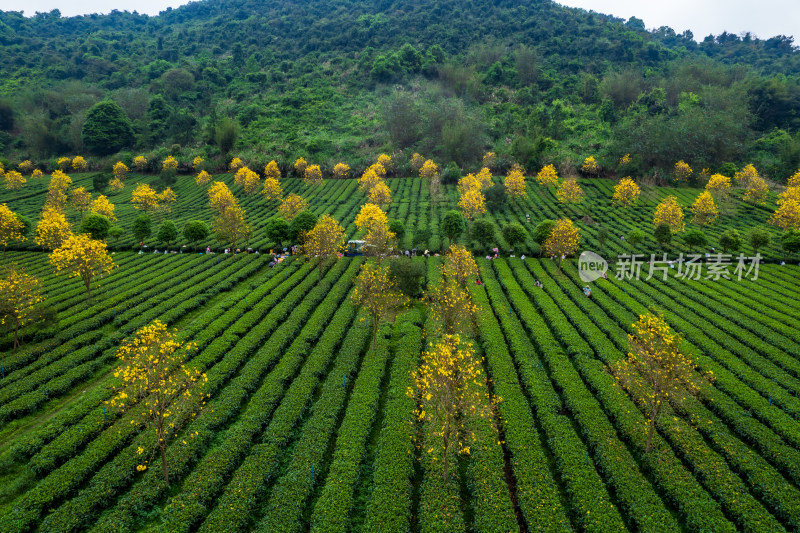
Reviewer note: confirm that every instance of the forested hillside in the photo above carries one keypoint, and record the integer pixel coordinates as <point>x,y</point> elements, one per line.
<point>534,81</point>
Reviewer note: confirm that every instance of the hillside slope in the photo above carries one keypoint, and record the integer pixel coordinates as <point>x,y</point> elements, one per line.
<point>534,81</point>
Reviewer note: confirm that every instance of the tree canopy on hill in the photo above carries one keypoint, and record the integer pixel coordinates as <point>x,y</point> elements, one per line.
<point>533,81</point>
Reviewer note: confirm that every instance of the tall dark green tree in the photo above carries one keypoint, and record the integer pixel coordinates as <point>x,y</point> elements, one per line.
<point>107,129</point>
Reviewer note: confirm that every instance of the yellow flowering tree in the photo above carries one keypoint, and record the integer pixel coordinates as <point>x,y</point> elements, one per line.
<point>626,192</point>
<point>37,173</point>
<point>625,159</point>
<point>120,170</point>
<point>657,372</point>
<point>152,374</point>
<point>590,167</point>
<point>247,179</point>
<point>385,162</point>
<point>170,165</point>
<point>670,213</point>
<point>378,169</point>
<point>300,165</point>
<point>468,182</point>
<point>292,205</point>
<point>198,164</point>
<point>83,257</point>
<point>341,171</point>
<point>324,242</point>
<point>144,198</point>
<point>447,395</point>
<point>375,291</point>
<point>64,163</point>
<point>380,194</point>
<point>515,184</point>
<point>271,170</point>
<point>756,190</point>
<point>704,209</point>
<point>140,162</point>
<point>794,180</point>
<point>787,216</point>
<point>230,226</point>
<point>459,265</point>
<point>484,177</point>
<point>79,163</point>
<point>790,193</point>
<point>25,167</point>
<point>20,294</point>
<point>744,176</point>
<point>451,305</point>
<point>235,164</point>
<point>102,206</point>
<point>14,180</point>
<point>416,162</point>
<point>203,178</point>
<point>569,192</point>
<point>52,230</point>
<point>116,185</point>
<point>489,159</point>
<point>80,200</point>
<point>429,171</point>
<point>166,199</point>
<point>57,191</point>
<point>473,203</point>
<point>368,180</point>
<point>11,227</point>
<point>272,189</point>
<point>563,240</point>
<point>372,219</point>
<point>220,196</point>
<point>719,186</point>
<point>682,171</point>
<point>312,175</point>
<point>547,176</point>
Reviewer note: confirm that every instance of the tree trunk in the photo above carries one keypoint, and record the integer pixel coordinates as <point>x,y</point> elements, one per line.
<point>88,283</point>
<point>16,337</point>
<point>446,470</point>
<point>162,446</point>
<point>651,429</point>
<point>374,332</point>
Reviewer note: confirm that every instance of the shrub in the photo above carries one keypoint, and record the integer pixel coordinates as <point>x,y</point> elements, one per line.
<point>408,275</point>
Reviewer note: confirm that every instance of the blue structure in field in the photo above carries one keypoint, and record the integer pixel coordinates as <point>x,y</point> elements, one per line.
<point>354,248</point>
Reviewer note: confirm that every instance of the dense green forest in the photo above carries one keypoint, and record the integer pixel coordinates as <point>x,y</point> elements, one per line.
<point>334,80</point>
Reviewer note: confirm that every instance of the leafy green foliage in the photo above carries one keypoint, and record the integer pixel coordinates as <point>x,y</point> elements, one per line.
<point>277,230</point>
<point>142,227</point>
<point>695,238</point>
<point>757,238</point>
<point>663,235</point>
<point>514,233</point>
<point>434,72</point>
<point>303,222</point>
<point>730,241</point>
<point>790,242</point>
<point>398,228</point>
<point>542,230</point>
<point>195,231</point>
<point>167,232</point>
<point>484,231</point>
<point>96,225</point>
<point>496,197</point>
<point>115,232</point>
<point>408,275</point>
<point>453,225</point>
<point>107,128</point>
